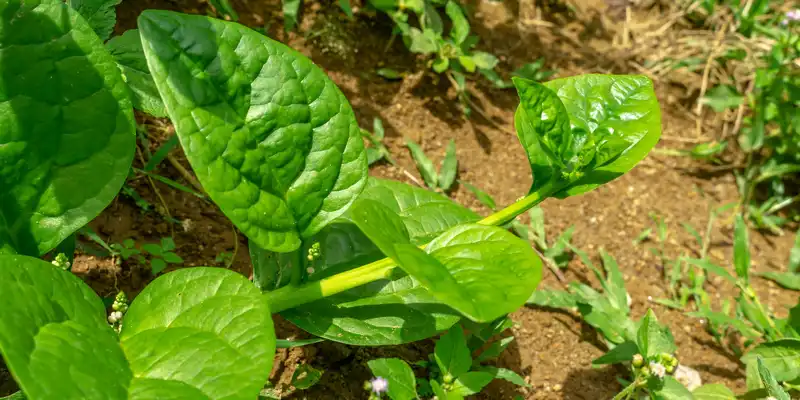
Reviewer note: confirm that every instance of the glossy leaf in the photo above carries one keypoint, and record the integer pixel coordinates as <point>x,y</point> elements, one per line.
<point>654,338</point>
<point>713,391</point>
<point>381,225</point>
<point>425,214</point>
<point>100,14</point>
<point>782,357</point>
<point>127,51</point>
<point>402,382</point>
<point>271,138</point>
<point>54,336</point>
<point>385,312</point>
<point>611,123</point>
<point>220,326</point>
<point>483,272</point>
<point>67,136</point>
<point>452,354</point>
<point>741,249</point>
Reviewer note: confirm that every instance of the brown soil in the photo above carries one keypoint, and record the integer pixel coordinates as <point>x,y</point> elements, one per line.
<point>553,350</point>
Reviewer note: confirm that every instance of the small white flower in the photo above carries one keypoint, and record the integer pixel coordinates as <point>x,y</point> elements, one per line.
<point>310,270</point>
<point>657,369</point>
<point>379,385</point>
<point>115,317</point>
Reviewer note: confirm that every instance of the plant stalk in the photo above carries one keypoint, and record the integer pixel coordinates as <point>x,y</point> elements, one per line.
<point>291,296</point>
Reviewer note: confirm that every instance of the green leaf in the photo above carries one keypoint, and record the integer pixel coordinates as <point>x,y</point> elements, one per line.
<point>389,73</point>
<point>291,10</point>
<point>711,267</point>
<point>620,113</point>
<point>460,29</point>
<point>483,272</point>
<point>381,224</point>
<point>424,164</point>
<point>346,7</point>
<point>485,198</point>
<point>722,97</point>
<point>432,19</point>
<point>161,153</point>
<point>426,214</point>
<point>484,60</point>
<point>172,258</point>
<point>654,338</point>
<point>782,357</point>
<point>506,374</point>
<point>534,71</point>
<point>723,319</point>
<point>230,353</point>
<point>449,168</point>
<point>127,51</point>
<point>100,14</point>
<point>494,349</point>
<point>541,122</point>
<point>471,382</point>
<point>157,265</point>
<point>452,354</point>
<point>305,376</point>
<point>18,395</point>
<point>620,353</point>
<point>52,325</point>
<point>286,344</point>
<point>385,312</point>
<point>552,299</point>
<point>788,280</point>
<point>225,9</point>
<point>272,270</point>
<point>773,388</point>
<point>440,65</point>
<point>402,382</point>
<point>614,284</point>
<point>713,391</point>
<point>271,138</point>
<point>424,42</point>
<point>741,249</point>
<point>468,63</point>
<point>67,136</point>
<point>441,394</point>
<point>671,390</point>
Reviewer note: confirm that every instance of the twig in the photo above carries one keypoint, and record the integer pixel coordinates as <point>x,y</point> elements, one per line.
<point>185,173</point>
<point>553,267</point>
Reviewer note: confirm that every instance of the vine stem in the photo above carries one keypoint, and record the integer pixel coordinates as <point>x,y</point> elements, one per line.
<point>292,296</point>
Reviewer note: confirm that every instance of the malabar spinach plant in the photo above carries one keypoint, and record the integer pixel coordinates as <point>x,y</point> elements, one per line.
<point>276,146</point>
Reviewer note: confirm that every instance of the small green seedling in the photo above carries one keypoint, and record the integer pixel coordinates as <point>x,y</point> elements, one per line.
<point>442,180</point>
<point>161,254</point>
<point>453,372</point>
<point>377,151</point>
<point>791,278</point>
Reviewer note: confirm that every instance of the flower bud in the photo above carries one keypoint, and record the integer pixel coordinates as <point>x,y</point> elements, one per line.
<point>448,378</point>
<point>638,360</point>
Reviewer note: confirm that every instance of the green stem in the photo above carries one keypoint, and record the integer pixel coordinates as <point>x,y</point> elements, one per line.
<point>292,296</point>
<point>626,393</point>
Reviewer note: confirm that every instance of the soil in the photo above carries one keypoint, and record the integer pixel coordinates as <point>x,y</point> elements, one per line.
<point>553,350</point>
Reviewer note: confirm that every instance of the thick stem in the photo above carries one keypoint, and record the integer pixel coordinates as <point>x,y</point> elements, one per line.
<point>292,296</point>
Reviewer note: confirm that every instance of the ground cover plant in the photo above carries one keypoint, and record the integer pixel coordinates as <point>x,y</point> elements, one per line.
<point>275,145</point>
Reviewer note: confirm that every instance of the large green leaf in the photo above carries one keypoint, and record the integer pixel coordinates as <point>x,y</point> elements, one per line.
<point>782,357</point>
<point>586,130</point>
<point>713,391</point>
<point>669,389</point>
<point>100,14</point>
<point>385,312</point>
<point>67,136</point>
<point>271,138</point>
<point>53,334</point>
<point>208,330</point>
<point>654,338</point>
<point>196,333</point>
<point>482,271</point>
<point>127,50</point>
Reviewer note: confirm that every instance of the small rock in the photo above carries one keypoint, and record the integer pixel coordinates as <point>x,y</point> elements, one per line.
<point>688,377</point>
<point>557,387</point>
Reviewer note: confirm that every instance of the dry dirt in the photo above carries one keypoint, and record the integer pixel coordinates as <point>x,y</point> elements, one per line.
<point>553,350</point>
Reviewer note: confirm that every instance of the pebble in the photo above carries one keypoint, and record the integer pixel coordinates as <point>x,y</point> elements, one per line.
<point>557,387</point>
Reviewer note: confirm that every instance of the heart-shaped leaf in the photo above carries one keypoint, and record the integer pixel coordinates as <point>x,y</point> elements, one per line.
<point>586,130</point>
<point>67,136</point>
<point>194,333</point>
<point>271,138</point>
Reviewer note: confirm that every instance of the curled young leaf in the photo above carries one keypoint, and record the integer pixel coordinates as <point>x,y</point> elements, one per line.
<point>271,138</point>
<point>586,130</point>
